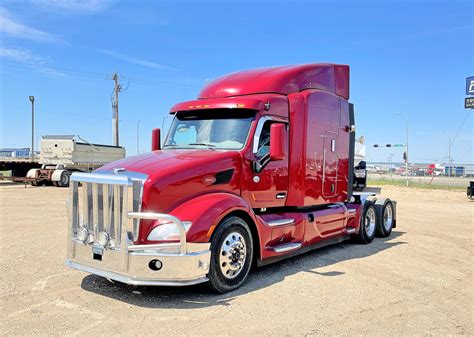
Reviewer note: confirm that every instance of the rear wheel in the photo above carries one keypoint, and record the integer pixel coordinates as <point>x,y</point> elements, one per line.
<point>368,223</point>
<point>231,255</point>
<point>64,179</point>
<point>385,219</point>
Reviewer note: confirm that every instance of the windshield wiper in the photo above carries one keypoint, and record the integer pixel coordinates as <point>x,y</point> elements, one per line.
<point>170,145</point>
<point>203,144</point>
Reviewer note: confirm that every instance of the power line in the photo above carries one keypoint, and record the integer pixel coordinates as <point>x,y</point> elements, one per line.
<point>62,71</point>
<point>451,143</point>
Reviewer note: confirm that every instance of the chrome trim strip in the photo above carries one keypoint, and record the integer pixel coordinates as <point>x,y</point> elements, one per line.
<point>258,129</point>
<point>173,219</point>
<point>280,222</point>
<point>132,280</point>
<point>100,178</point>
<point>287,247</point>
<point>350,230</point>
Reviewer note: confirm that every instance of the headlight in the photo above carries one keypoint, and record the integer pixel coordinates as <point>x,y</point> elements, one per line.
<point>103,238</point>
<point>167,231</point>
<point>84,235</point>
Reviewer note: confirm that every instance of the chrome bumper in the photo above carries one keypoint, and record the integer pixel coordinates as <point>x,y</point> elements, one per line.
<point>95,212</point>
<point>177,270</point>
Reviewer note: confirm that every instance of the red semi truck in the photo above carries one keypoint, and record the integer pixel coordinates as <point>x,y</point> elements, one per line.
<point>257,169</point>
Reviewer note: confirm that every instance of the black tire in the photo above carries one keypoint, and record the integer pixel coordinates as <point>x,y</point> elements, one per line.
<point>64,179</point>
<point>231,234</point>
<point>385,218</point>
<point>368,224</point>
<point>35,183</point>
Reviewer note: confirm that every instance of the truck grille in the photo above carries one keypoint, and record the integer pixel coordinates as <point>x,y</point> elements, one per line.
<point>100,204</point>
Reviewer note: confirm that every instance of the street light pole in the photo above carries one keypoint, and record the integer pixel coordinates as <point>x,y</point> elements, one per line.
<point>138,137</point>
<point>406,146</point>
<point>32,100</point>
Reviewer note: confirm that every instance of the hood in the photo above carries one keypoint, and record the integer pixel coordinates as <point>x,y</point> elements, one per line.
<point>175,176</point>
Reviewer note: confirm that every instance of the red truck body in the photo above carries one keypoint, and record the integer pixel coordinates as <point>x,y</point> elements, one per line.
<point>294,198</point>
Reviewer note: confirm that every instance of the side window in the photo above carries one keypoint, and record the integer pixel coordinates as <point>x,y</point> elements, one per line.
<point>264,141</point>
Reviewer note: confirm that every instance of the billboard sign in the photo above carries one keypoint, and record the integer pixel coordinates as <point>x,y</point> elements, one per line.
<point>470,86</point>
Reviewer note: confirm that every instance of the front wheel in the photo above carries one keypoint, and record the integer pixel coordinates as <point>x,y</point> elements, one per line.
<point>231,255</point>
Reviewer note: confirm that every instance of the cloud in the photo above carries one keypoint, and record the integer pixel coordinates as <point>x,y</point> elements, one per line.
<point>12,27</point>
<point>137,61</point>
<point>22,56</point>
<point>81,6</point>
<point>27,59</point>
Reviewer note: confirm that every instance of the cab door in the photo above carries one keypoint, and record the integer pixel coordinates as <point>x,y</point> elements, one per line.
<point>267,180</point>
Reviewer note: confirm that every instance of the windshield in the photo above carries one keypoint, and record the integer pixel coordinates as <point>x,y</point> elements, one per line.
<point>217,129</point>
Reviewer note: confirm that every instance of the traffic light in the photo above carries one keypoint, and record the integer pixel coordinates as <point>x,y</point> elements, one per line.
<point>405,156</point>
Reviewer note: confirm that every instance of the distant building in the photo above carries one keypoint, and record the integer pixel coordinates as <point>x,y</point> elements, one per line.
<point>14,153</point>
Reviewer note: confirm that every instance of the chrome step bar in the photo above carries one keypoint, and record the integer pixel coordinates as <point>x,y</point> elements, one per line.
<point>350,230</point>
<point>286,247</point>
<point>280,222</point>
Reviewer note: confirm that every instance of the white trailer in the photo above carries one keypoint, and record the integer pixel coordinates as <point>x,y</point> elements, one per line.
<point>61,155</point>
<point>360,166</point>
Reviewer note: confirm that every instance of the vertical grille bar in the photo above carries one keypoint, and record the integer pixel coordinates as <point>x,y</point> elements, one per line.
<point>123,228</point>
<point>95,209</point>
<point>74,216</point>
<point>116,215</point>
<point>107,224</point>
<point>85,205</point>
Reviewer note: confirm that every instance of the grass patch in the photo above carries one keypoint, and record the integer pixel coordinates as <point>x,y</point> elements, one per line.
<point>402,183</point>
<point>6,173</point>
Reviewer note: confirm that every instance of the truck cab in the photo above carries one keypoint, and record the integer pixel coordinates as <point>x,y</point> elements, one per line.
<point>258,168</point>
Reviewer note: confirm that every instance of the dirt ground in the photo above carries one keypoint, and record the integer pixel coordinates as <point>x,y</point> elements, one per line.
<point>418,281</point>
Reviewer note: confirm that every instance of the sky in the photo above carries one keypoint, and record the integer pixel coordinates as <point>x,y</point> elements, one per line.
<point>408,59</point>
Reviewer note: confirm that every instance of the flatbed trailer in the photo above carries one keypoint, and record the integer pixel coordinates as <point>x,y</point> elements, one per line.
<point>60,155</point>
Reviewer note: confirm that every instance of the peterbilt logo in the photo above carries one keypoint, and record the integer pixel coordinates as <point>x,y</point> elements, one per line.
<point>209,180</point>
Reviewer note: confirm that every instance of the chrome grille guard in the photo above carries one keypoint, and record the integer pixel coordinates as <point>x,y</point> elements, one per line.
<point>103,207</point>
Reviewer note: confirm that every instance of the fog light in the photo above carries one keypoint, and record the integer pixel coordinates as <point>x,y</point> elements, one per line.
<point>83,234</point>
<point>103,239</point>
<point>155,265</point>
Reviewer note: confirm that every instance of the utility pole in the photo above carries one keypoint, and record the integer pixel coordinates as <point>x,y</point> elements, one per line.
<point>32,100</point>
<point>115,110</point>
<point>449,159</point>
<point>406,160</point>
<point>138,137</point>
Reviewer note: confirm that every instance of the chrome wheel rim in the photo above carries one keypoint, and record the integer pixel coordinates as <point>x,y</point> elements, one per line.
<point>232,255</point>
<point>387,217</point>
<point>370,222</point>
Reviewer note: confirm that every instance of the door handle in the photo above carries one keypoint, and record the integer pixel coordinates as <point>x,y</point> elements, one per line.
<point>281,196</point>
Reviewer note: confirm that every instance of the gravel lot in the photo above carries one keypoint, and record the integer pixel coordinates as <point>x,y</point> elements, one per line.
<point>418,281</point>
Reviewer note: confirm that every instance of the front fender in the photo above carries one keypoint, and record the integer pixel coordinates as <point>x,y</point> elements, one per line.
<point>206,211</point>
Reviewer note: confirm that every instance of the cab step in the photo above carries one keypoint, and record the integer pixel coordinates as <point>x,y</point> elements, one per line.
<point>350,230</point>
<point>286,247</point>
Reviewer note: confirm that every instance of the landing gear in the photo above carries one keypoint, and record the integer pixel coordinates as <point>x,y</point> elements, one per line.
<point>231,255</point>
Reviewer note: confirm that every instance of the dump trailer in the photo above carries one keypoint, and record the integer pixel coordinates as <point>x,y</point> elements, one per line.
<point>62,155</point>
<point>257,169</point>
